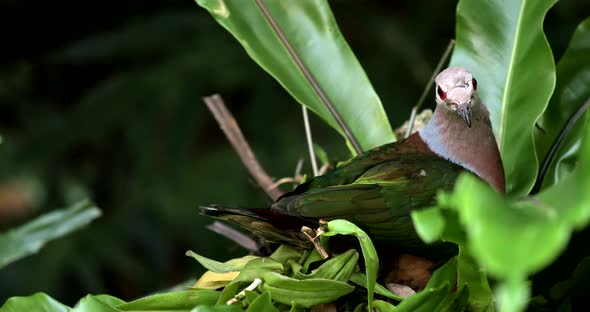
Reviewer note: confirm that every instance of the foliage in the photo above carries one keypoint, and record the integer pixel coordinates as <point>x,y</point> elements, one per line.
<point>507,239</point>
<point>29,238</point>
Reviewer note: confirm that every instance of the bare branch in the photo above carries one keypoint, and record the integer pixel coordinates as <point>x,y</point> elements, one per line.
<point>233,133</point>
<point>234,235</point>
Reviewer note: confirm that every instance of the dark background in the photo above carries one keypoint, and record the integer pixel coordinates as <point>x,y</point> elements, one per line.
<point>103,100</point>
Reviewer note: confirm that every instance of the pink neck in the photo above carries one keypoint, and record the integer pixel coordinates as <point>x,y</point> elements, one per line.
<point>475,148</point>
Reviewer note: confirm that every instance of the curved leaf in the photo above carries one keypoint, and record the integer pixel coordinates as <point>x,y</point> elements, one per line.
<point>173,301</point>
<point>30,237</point>
<point>503,44</point>
<point>303,293</point>
<point>38,302</point>
<point>572,89</point>
<point>300,45</point>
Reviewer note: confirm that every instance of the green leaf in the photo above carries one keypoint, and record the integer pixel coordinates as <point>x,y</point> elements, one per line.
<point>383,306</point>
<point>503,44</point>
<point>514,238</point>
<point>513,296</point>
<point>262,304</point>
<point>314,256</point>
<point>257,267</point>
<point>38,302</point>
<point>571,91</point>
<point>344,227</point>
<point>510,238</point>
<point>434,224</point>
<point>475,278</point>
<point>361,280</point>
<point>229,292</point>
<point>304,293</point>
<point>250,296</point>
<point>285,253</point>
<point>338,268</point>
<point>218,308</point>
<point>93,304</point>
<point>300,45</point>
<point>220,267</point>
<point>174,301</point>
<point>429,224</point>
<point>110,300</point>
<point>30,237</point>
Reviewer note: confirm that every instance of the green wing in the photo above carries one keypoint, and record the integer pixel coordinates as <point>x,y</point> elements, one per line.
<point>376,191</point>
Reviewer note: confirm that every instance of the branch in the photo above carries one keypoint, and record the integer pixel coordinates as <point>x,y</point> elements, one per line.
<point>234,235</point>
<point>233,133</point>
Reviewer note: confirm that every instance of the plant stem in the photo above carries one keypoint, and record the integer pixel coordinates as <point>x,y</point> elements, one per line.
<point>420,102</point>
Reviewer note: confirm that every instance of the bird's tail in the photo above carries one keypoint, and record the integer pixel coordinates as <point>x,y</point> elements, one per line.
<point>266,224</point>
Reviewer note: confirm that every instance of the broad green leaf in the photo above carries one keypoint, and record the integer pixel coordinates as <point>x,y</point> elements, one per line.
<point>344,227</point>
<point>361,280</point>
<point>314,256</point>
<point>218,308</point>
<point>212,280</point>
<point>304,293</point>
<point>503,44</point>
<point>30,237</point>
<point>513,238</point>
<point>513,296</point>
<point>92,304</point>
<point>338,268</point>
<point>300,45</point>
<point>571,91</point>
<point>38,302</point>
<point>262,304</point>
<point>510,238</point>
<point>429,224</point>
<point>250,296</point>
<point>220,267</point>
<point>285,253</point>
<point>174,301</point>
<point>229,292</point>
<point>255,268</point>
<point>110,300</point>
<point>433,224</point>
<point>569,199</point>
<point>383,306</point>
<point>252,270</point>
<point>474,277</point>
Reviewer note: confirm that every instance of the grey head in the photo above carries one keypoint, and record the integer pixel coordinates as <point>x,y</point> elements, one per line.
<point>456,90</point>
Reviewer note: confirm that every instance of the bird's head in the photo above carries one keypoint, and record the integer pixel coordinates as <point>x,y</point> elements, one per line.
<point>456,90</point>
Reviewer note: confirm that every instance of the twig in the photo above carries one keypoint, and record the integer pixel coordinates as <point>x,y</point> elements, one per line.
<point>242,293</point>
<point>314,238</point>
<point>439,66</point>
<point>314,164</point>
<point>233,133</point>
<point>234,235</point>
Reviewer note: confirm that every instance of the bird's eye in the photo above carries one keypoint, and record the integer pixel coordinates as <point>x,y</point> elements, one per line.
<point>441,94</point>
<point>474,84</point>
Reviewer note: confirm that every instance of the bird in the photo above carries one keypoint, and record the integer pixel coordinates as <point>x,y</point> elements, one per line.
<point>377,189</point>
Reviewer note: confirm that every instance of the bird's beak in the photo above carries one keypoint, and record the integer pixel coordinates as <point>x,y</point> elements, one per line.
<point>465,112</point>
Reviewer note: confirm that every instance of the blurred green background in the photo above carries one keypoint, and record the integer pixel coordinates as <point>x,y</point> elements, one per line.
<point>103,100</point>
